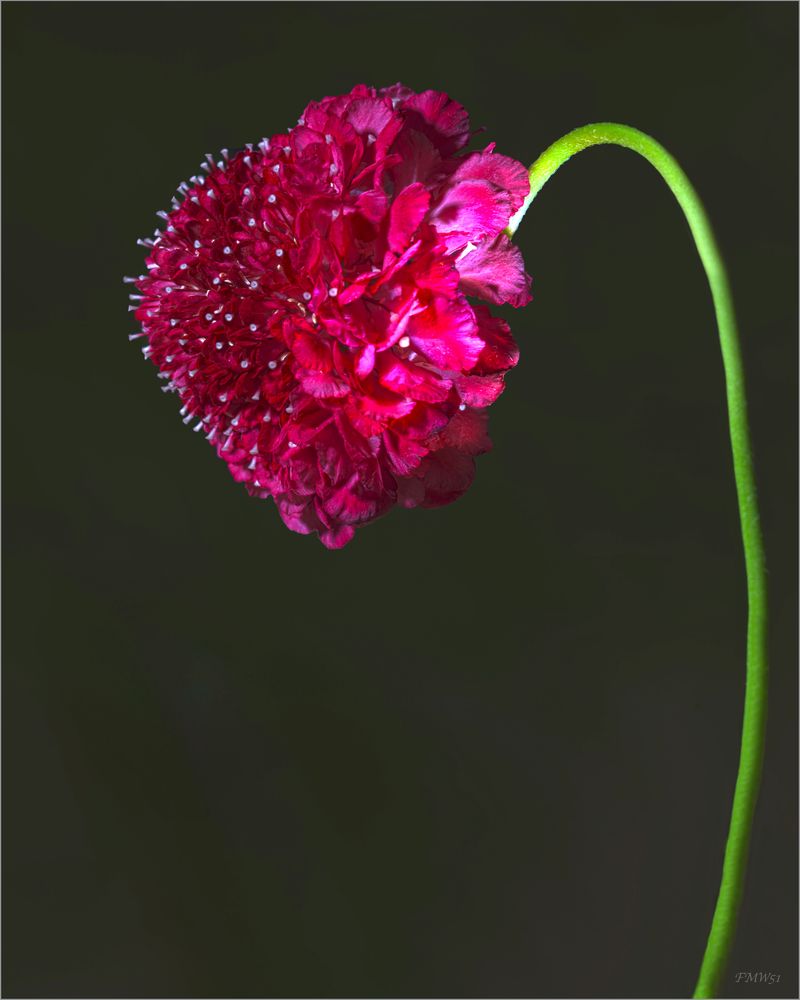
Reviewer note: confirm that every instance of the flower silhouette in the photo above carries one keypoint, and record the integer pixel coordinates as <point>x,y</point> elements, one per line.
<point>308,301</point>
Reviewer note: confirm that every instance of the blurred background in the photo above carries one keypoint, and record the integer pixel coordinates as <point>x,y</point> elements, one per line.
<point>483,751</point>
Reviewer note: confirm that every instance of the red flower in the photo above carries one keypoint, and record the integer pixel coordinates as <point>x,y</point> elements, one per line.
<point>308,302</point>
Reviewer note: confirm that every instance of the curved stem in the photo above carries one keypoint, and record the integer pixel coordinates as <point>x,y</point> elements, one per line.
<point>723,926</point>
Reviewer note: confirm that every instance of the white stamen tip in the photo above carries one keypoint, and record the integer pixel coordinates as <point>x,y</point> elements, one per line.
<point>404,342</point>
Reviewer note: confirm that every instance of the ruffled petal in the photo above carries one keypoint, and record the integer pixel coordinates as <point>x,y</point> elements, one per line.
<point>408,210</point>
<point>495,271</point>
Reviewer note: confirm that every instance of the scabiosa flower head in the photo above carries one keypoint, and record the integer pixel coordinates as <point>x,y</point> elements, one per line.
<point>308,301</point>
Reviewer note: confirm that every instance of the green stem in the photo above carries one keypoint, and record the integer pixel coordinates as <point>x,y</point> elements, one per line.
<point>723,925</point>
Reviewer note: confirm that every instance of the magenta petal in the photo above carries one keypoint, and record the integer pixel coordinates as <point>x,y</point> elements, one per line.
<point>503,173</point>
<point>500,352</point>
<point>472,208</point>
<point>446,334</point>
<point>338,537</point>
<point>366,361</point>
<point>408,210</point>
<point>446,475</point>
<point>495,271</point>
<point>444,121</point>
<point>479,390</point>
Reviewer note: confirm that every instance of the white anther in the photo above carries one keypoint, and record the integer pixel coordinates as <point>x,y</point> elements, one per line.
<point>292,444</point>
<point>184,266</point>
<point>254,284</point>
<point>276,169</point>
<point>307,296</point>
<point>228,317</point>
<point>256,395</point>
<point>266,418</point>
<point>209,317</point>
<point>251,222</point>
<point>467,249</point>
<point>218,345</point>
<point>335,213</point>
<point>215,281</point>
<point>245,364</point>
<point>279,252</point>
<point>252,465</point>
<point>273,365</point>
<point>197,244</point>
<point>223,398</point>
<point>404,342</point>
<point>333,292</point>
<point>226,250</point>
<point>289,408</point>
<point>462,406</point>
<point>328,138</point>
<point>247,192</point>
<point>333,169</point>
<point>272,199</point>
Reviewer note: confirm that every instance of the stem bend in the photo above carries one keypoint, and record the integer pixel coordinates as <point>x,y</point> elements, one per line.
<point>723,926</point>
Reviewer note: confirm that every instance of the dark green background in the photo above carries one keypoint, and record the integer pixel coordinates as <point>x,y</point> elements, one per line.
<point>483,751</point>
